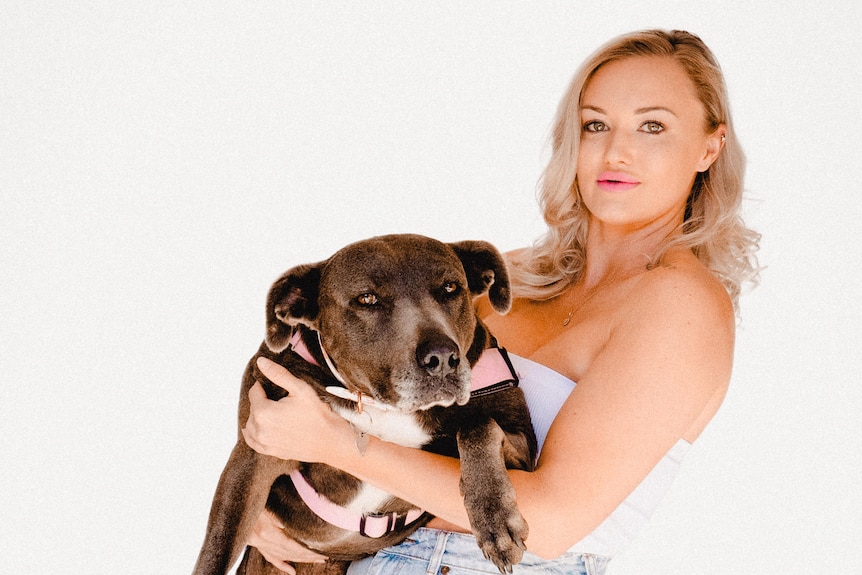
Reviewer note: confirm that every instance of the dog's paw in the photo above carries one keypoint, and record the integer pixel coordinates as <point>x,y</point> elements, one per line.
<point>500,534</point>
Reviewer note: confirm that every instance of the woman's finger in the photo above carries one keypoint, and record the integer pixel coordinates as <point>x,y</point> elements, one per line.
<point>277,374</point>
<point>269,538</point>
<point>256,393</point>
<point>258,400</point>
<point>280,376</point>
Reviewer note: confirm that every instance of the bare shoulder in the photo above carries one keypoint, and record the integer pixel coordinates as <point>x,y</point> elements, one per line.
<point>662,371</point>
<point>656,375</point>
<point>681,292</point>
<point>678,325</point>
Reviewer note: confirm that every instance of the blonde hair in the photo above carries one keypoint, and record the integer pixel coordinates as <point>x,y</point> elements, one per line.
<point>712,229</point>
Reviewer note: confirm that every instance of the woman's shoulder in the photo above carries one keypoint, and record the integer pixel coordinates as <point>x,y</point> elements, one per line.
<point>681,290</point>
<point>679,330</point>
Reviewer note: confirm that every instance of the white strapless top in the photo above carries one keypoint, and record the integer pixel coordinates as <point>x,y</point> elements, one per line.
<point>545,391</point>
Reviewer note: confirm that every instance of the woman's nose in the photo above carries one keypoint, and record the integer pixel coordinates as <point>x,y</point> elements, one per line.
<point>618,148</point>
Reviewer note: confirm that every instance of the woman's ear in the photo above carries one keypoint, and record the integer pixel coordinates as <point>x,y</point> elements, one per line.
<point>714,145</point>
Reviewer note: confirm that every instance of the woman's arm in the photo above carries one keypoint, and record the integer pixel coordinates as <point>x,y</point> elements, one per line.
<point>664,362</point>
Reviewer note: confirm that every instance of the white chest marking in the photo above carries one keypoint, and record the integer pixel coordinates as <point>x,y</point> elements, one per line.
<point>369,499</point>
<point>392,426</point>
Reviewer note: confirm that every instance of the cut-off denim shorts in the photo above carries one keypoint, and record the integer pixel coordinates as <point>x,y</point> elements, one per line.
<point>436,552</point>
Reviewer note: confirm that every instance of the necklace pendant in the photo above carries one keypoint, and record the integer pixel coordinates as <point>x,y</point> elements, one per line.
<point>568,318</point>
<point>361,439</point>
<point>361,443</point>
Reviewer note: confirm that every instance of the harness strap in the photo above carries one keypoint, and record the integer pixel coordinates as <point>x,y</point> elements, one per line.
<point>371,525</point>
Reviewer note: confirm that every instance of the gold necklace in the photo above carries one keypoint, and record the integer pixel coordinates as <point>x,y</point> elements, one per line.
<point>602,284</point>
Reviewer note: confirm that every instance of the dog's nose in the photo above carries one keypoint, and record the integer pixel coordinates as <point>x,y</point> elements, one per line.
<point>438,356</point>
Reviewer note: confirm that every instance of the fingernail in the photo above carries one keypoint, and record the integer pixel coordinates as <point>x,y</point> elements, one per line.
<point>262,361</point>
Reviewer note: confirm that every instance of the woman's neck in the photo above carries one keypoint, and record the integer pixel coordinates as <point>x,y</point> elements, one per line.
<point>615,253</point>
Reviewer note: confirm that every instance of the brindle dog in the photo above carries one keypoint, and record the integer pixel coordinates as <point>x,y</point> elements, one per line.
<point>393,318</point>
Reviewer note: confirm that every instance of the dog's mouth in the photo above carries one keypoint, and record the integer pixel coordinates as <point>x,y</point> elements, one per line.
<point>409,387</point>
<point>421,394</point>
<point>404,405</point>
<point>418,406</point>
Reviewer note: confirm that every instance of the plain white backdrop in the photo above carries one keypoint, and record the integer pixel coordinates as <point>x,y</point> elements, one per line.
<point>162,163</point>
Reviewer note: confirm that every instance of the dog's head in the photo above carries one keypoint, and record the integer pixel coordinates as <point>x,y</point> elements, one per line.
<point>395,314</point>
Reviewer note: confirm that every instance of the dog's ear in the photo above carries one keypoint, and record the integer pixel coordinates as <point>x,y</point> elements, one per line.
<point>292,300</point>
<point>486,271</point>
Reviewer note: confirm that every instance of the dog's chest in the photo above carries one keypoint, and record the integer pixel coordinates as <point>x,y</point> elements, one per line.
<point>369,499</point>
<point>392,426</point>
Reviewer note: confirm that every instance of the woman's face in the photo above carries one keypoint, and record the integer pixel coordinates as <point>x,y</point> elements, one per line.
<point>643,140</point>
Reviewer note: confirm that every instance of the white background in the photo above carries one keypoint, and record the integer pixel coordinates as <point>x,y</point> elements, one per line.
<point>161,163</point>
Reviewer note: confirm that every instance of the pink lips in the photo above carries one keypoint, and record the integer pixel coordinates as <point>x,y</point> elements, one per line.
<point>616,182</point>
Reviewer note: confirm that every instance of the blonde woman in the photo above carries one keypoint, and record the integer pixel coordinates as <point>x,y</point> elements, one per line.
<point>623,329</point>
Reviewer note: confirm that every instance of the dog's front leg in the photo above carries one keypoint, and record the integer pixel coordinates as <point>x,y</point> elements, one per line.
<point>489,496</point>
<point>239,500</point>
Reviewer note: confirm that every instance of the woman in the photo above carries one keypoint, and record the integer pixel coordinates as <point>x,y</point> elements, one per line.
<point>631,294</point>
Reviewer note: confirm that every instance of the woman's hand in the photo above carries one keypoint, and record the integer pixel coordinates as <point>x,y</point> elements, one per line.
<point>299,426</point>
<point>276,547</point>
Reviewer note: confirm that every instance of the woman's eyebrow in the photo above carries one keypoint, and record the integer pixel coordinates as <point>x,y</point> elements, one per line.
<point>593,108</point>
<point>649,109</point>
<point>639,111</point>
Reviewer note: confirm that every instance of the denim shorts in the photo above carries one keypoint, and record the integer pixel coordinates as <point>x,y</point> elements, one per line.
<point>436,552</point>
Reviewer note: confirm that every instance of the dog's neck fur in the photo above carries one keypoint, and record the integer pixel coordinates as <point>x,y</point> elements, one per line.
<point>299,345</point>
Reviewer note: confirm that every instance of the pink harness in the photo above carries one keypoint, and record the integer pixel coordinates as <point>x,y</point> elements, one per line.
<point>492,372</point>
<point>372,525</point>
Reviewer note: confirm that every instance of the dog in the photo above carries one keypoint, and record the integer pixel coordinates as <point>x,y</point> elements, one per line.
<point>386,332</point>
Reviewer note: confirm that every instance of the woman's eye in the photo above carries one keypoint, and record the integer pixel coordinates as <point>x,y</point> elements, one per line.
<point>367,299</point>
<point>652,127</point>
<point>595,126</point>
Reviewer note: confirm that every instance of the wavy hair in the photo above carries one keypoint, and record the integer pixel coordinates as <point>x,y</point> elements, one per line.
<point>712,228</point>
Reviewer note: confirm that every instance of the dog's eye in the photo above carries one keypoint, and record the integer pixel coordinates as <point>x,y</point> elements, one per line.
<point>367,299</point>
<point>450,288</point>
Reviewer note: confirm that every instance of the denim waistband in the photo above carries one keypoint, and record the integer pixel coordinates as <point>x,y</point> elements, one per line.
<point>436,552</point>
